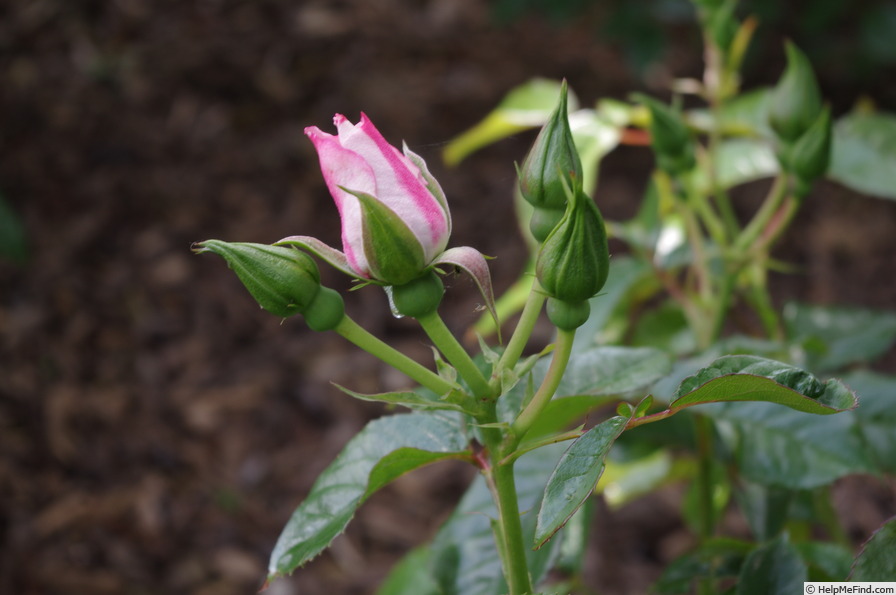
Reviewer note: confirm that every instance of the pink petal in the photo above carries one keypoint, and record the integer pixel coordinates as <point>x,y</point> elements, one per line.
<point>399,183</point>
<point>473,263</point>
<point>343,168</point>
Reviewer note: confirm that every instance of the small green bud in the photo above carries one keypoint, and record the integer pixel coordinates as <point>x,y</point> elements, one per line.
<point>552,161</point>
<point>282,280</point>
<point>811,153</point>
<point>419,297</point>
<point>544,221</point>
<point>722,25</point>
<point>670,137</point>
<point>567,316</point>
<point>573,262</point>
<point>326,310</point>
<point>796,99</point>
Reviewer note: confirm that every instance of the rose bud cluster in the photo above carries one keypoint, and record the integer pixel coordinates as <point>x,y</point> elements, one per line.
<point>800,122</point>
<point>573,262</point>
<point>551,166</point>
<point>282,280</point>
<point>395,219</point>
<point>670,138</point>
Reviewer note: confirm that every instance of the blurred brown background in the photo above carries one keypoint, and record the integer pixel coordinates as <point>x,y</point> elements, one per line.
<point>156,428</point>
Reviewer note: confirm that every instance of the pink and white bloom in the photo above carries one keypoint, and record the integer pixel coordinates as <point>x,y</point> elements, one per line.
<point>395,218</point>
<point>364,173</point>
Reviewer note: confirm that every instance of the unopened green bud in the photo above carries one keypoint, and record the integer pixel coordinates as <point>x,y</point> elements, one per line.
<point>567,316</point>
<point>419,297</point>
<point>722,25</point>
<point>552,162</point>
<point>544,221</point>
<point>796,99</point>
<point>670,137</point>
<point>326,310</point>
<point>282,280</point>
<point>573,262</point>
<point>811,153</point>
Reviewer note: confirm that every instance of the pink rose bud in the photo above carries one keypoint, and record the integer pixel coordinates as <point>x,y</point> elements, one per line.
<point>395,219</point>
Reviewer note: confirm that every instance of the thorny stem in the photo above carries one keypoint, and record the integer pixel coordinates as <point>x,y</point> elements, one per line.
<point>353,332</point>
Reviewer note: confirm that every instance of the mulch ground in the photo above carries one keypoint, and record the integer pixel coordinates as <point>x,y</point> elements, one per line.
<point>156,428</point>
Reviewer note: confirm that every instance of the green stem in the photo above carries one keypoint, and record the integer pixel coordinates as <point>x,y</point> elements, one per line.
<point>521,333</point>
<point>705,504</point>
<point>776,196</point>
<point>509,531</point>
<point>562,352</point>
<point>454,352</point>
<point>762,304</point>
<point>828,515</point>
<point>704,476</point>
<point>716,99</point>
<point>711,221</point>
<point>349,329</point>
<point>722,304</point>
<point>516,565</point>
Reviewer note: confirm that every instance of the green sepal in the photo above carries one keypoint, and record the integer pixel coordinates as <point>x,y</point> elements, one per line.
<point>552,162</point>
<point>574,260</point>
<point>419,297</point>
<point>722,25</point>
<point>394,254</point>
<point>670,137</point>
<point>454,401</point>
<point>810,156</point>
<point>326,310</point>
<point>544,220</point>
<point>283,281</point>
<point>567,316</point>
<point>796,99</point>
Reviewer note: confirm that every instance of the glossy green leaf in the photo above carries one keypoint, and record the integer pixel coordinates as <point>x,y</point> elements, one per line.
<point>623,481</point>
<point>766,508</point>
<point>832,337</point>
<point>745,115</point>
<point>716,558</point>
<point>665,327</point>
<point>526,106</point>
<point>385,449</point>
<point>774,568</point>
<point>783,447</point>
<point>594,136</point>
<point>611,370</point>
<point>876,561</point>
<point>827,561</point>
<point>464,559</point>
<point>876,415</point>
<point>738,161</point>
<point>595,373</point>
<point>421,400</point>
<point>629,281</point>
<point>411,576</point>
<point>575,539</point>
<point>753,378</point>
<point>575,477</point>
<point>863,153</point>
